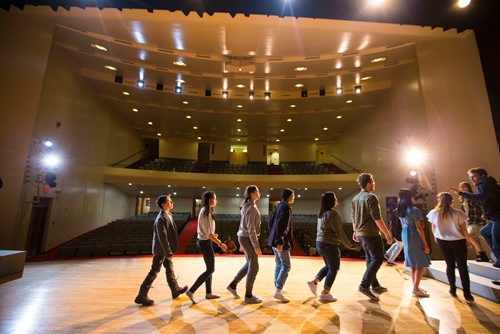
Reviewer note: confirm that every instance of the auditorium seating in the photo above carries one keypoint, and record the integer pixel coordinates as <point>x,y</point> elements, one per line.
<point>254,168</point>
<point>132,235</point>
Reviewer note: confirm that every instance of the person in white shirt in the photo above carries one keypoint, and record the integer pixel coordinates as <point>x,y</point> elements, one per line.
<point>206,235</point>
<point>450,233</point>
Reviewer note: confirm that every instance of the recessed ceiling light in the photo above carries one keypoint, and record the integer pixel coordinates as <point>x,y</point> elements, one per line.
<point>300,69</point>
<point>168,185</point>
<point>239,130</point>
<point>339,117</point>
<point>126,93</point>
<point>135,110</point>
<point>340,188</point>
<point>195,128</point>
<point>463,3</point>
<point>292,105</point>
<point>299,85</point>
<point>237,195</point>
<point>348,101</point>
<point>175,193</point>
<point>238,139</point>
<point>298,195</point>
<point>129,184</point>
<point>282,130</point>
<point>239,106</point>
<point>150,123</point>
<point>238,120</point>
<point>267,195</point>
<point>185,102</point>
<point>199,138</point>
<point>305,189</point>
<point>277,140</point>
<point>240,86</point>
<point>325,128</point>
<point>99,47</point>
<point>141,192</point>
<point>179,63</point>
<point>366,78</point>
<point>158,134</point>
<point>289,120</point>
<point>180,81</point>
<point>378,60</point>
<point>188,116</point>
<point>316,139</point>
<point>111,68</point>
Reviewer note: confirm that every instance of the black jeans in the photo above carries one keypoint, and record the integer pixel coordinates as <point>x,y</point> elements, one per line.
<point>456,252</point>
<point>206,249</point>
<point>374,253</point>
<point>331,256</point>
<point>158,261</point>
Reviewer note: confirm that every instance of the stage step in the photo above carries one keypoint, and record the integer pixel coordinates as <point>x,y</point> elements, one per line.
<point>481,275</point>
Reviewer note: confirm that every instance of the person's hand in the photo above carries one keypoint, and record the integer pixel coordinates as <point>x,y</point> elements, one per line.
<point>223,247</point>
<point>279,248</point>
<point>258,251</point>
<point>427,250</point>
<point>453,190</point>
<point>355,237</point>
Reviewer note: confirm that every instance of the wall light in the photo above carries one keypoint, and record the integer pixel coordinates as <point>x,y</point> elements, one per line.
<point>251,95</point>
<point>339,90</point>
<point>225,94</point>
<point>267,95</point>
<point>357,89</point>
<point>140,83</point>
<point>178,89</point>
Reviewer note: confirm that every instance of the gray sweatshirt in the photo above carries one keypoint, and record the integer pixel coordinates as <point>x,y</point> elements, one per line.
<point>250,223</point>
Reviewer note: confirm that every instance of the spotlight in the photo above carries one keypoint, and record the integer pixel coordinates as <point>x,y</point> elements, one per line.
<point>251,95</point>
<point>48,143</point>
<point>357,89</point>
<point>225,94</point>
<point>178,89</point>
<point>159,86</point>
<point>51,161</point>
<point>463,3</point>
<point>267,95</point>
<point>208,92</point>
<point>303,93</point>
<point>140,83</point>
<point>415,157</point>
<point>118,79</point>
<point>339,90</point>
<point>322,92</point>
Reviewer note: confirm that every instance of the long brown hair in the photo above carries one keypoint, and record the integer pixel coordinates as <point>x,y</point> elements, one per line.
<point>248,192</point>
<point>444,205</point>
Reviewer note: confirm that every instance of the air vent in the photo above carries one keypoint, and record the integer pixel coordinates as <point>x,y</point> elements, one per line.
<point>166,51</point>
<point>123,42</point>
<point>204,56</point>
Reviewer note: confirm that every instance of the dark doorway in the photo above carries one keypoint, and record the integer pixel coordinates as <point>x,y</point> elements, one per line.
<point>38,220</point>
<point>204,153</point>
<point>151,149</point>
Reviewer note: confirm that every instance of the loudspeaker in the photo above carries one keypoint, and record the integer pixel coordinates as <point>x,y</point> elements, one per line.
<point>118,79</point>
<point>208,92</point>
<point>322,92</point>
<point>303,93</point>
<point>159,86</point>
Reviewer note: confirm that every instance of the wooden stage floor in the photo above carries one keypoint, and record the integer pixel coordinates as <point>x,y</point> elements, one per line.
<point>96,296</point>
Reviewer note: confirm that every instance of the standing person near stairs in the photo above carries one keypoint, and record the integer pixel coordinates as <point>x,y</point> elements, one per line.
<point>165,243</point>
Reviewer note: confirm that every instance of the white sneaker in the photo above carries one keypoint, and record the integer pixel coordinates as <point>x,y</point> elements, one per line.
<point>279,296</point>
<point>313,287</point>
<point>327,297</point>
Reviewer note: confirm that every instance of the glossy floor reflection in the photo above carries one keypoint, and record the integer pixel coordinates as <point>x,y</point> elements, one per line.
<point>96,296</point>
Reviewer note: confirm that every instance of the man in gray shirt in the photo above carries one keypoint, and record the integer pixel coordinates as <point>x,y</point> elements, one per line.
<point>367,225</point>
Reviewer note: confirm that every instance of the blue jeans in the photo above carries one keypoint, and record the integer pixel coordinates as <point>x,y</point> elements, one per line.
<point>491,233</point>
<point>249,269</point>
<point>374,253</point>
<point>206,249</point>
<point>283,266</point>
<point>331,256</point>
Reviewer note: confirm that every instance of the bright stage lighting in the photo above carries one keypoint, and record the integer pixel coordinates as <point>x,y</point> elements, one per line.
<point>463,3</point>
<point>415,157</point>
<point>51,161</point>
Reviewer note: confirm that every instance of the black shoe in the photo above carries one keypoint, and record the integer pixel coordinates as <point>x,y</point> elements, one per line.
<point>367,292</point>
<point>379,289</point>
<point>482,257</point>
<point>453,292</point>
<point>468,297</point>
<point>179,291</point>
<point>496,264</point>
<point>496,282</point>
<point>144,300</point>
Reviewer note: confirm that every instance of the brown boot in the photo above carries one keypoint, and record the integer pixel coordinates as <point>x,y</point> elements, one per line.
<point>177,291</point>
<point>142,297</point>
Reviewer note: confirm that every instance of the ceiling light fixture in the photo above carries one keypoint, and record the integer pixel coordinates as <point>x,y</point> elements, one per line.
<point>199,138</point>
<point>301,69</point>
<point>179,63</point>
<point>339,117</point>
<point>239,130</point>
<point>378,60</point>
<point>111,68</point>
<point>282,130</point>
<point>277,140</point>
<point>158,134</point>
<point>135,110</point>
<point>325,128</point>
<point>316,139</point>
<point>185,102</point>
<point>150,123</point>
<point>239,106</point>
<point>292,105</point>
<point>225,94</point>
<point>299,85</point>
<point>357,89</point>
<point>339,90</point>
<point>267,95</point>
<point>180,81</point>
<point>289,120</point>
<point>178,89</point>
<point>126,93</point>
<point>99,47</point>
<point>251,95</point>
<point>195,128</point>
<point>238,120</point>
<point>240,86</point>
<point>140,83</point>
<point>188,117</point>
<point>348,101</point>
<point>366,78</point>
<point>463,3</point>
